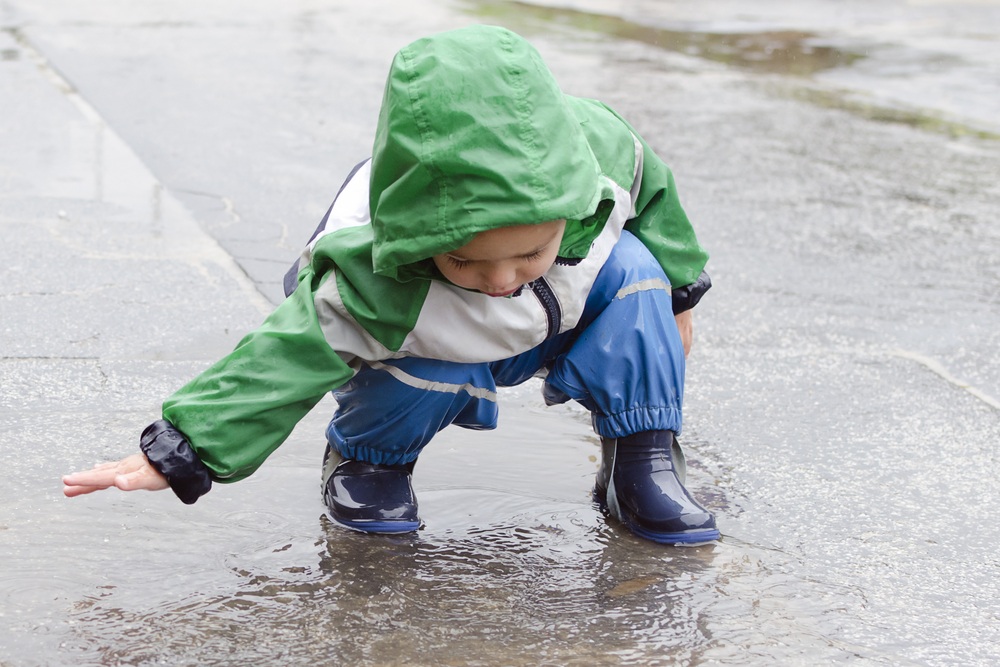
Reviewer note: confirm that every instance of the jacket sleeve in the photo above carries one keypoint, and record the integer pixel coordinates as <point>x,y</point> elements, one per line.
<point>244,406</point>
<point>661,224</point>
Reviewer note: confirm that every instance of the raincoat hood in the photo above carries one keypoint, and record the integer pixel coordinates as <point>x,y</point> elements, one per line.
<point>473,134</point>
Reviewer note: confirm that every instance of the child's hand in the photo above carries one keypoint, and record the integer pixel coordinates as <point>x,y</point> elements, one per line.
<point>685,324</point>
<point>129,474</point>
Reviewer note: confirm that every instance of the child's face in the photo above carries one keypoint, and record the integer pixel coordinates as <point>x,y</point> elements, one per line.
<point>498,261</point>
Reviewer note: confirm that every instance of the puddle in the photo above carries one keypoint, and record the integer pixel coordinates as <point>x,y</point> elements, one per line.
<point>850,101</point>
<point>797,54</point>
<point>786,52</point>
<point>516,565</point>
<point>574,592</point>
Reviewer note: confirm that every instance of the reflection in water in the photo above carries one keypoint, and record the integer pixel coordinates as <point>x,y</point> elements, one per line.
<point>866,108</point>
<point>786,52</point>
<point>780,52</point>
<point>516,566</point>
<point>562,588</point>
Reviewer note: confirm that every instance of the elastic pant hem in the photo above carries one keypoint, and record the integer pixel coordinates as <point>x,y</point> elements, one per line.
<point>636,420</point>
<point>371,455</point>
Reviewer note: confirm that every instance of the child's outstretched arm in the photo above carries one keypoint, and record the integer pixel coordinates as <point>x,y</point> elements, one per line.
<point>130,474</point>
<point>223,424</point>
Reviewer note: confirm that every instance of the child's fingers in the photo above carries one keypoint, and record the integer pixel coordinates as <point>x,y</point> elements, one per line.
<point>129,474</point>
<point>100,479</point>
<point>102,475</point>
<point>77,490</point>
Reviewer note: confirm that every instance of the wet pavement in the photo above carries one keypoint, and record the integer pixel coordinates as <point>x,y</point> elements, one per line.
<point>842,412</point>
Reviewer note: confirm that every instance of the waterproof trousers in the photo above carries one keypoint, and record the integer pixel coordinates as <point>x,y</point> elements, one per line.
<point>624,361</point>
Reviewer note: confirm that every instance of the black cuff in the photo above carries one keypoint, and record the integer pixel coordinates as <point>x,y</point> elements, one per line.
<point>169,452</point>
<point>687,297</point>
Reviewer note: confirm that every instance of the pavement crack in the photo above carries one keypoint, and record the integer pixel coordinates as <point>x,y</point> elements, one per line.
<point>230,208</point>
<point>940,370</point>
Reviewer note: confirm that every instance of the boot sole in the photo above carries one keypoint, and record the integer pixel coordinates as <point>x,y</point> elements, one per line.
<point>694,539</point>
<point>687,539</point>
<point>379,527</point>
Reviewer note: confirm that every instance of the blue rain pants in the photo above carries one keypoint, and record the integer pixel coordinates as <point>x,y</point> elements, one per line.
<point>624,361</point>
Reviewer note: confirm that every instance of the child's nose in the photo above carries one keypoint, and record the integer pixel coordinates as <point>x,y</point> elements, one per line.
<point>500,275</point>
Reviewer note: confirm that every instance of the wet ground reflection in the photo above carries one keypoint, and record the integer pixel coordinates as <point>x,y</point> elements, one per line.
<point>860,106</point>
<point>515,566</point>
<point>799,54</point>
<point>562,589</point>
<point>552,590</point>
<point>779,52</point>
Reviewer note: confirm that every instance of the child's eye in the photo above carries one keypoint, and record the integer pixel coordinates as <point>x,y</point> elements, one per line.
<point>533,256</point>
<point>457,263</point>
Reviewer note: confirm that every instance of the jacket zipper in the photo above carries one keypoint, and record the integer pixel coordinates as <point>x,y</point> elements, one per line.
<point>553,313</point>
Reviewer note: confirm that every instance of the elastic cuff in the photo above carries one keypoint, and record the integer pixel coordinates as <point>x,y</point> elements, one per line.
<point>367,454</point>
<point>169,452</point>
<point>636,420</point>
<point>376,456</point>
<point>687,297</point>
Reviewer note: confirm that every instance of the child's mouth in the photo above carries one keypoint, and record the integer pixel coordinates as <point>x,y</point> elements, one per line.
<point>507,293</point>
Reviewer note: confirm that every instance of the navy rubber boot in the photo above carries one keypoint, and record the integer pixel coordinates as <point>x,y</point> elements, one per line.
<point>369,497</point>
<point>641,482</point>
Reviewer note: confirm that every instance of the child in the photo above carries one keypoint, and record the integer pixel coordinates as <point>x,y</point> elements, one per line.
<point>501,230</point>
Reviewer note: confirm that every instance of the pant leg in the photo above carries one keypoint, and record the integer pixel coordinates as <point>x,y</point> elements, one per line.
<point>627,364</point>
<point>390,410</point>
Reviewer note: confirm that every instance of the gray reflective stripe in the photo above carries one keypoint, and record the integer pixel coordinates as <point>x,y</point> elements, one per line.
<point>430,385</point>
<point>642,286</point>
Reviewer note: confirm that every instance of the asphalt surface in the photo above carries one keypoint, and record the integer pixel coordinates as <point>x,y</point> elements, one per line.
<point>160,167</point>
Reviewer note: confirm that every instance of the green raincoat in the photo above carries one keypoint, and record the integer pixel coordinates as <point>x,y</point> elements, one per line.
<point>473,134</point>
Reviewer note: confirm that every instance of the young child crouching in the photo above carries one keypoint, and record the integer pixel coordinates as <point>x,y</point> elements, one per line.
<point>501,230</point>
